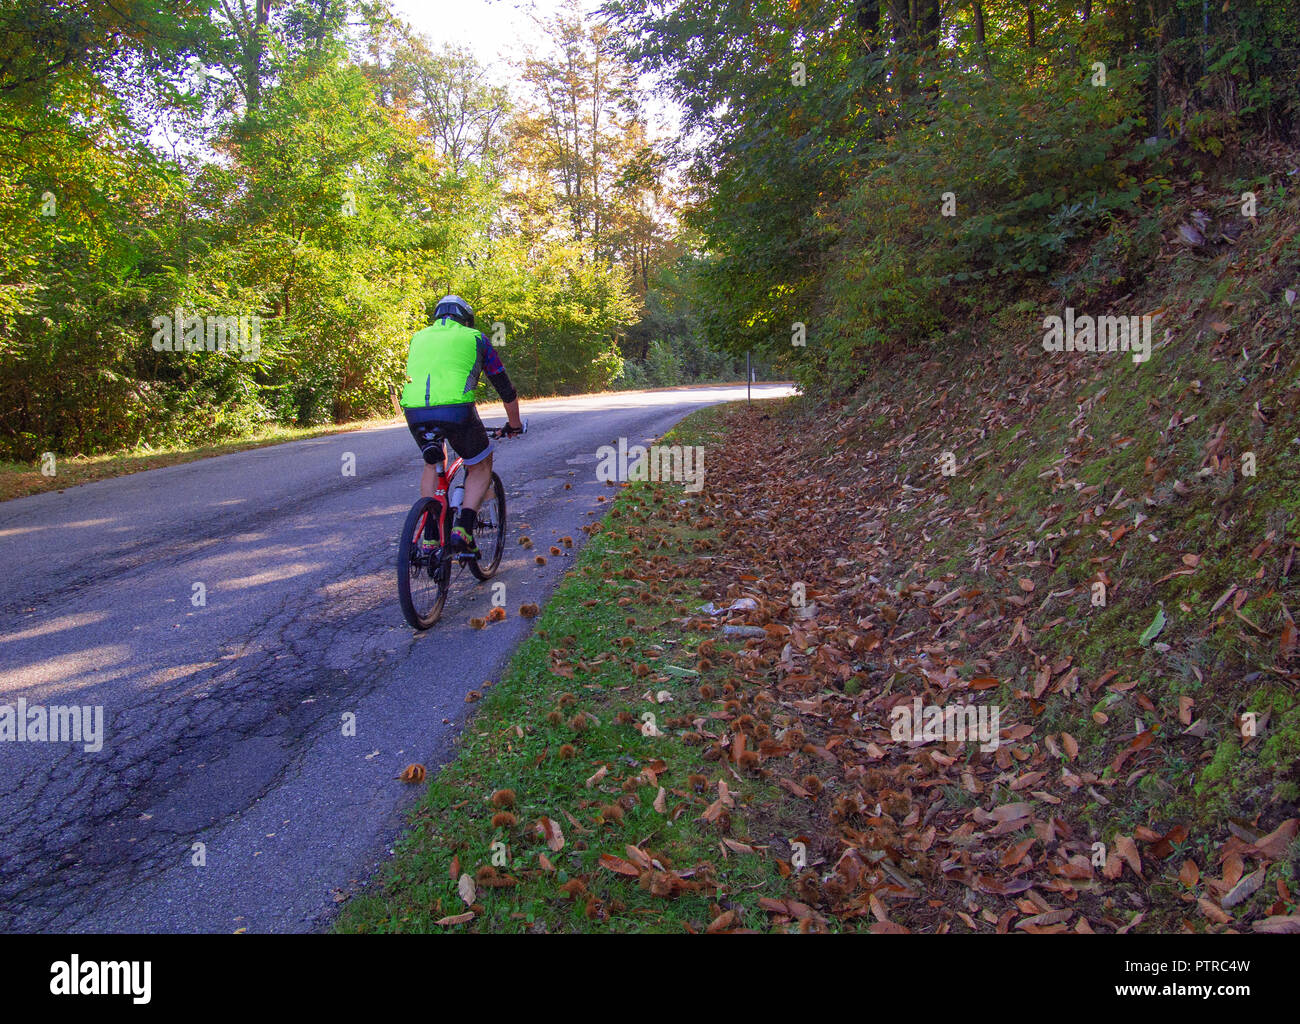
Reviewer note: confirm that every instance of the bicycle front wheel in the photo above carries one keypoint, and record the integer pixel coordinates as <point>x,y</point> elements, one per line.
<point>422,580</point>
<point>490,531</point>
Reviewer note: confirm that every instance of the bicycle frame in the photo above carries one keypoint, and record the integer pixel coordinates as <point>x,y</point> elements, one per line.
<point>446,474</point>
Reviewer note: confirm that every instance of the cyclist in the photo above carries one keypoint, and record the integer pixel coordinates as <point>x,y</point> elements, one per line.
<point>443,367</point>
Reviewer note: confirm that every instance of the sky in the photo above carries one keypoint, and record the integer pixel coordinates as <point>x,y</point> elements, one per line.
<point>498,31</point>
<point>493,29</point>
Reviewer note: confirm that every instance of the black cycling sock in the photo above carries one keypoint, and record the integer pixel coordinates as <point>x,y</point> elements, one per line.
<point>468,519</point>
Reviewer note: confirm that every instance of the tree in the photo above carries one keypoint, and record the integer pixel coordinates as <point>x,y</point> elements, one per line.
<point>449,94</point>
<point>580,127</point>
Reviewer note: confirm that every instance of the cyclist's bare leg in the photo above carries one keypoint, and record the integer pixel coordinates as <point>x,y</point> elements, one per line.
<point>477,479</point>
<point>428,481</point>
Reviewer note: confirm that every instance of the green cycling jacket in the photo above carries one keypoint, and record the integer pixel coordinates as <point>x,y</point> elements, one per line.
<point>443,365</point>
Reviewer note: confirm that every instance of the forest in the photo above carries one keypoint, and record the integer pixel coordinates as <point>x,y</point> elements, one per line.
<point>312,175</point>
<point>849,179</point>
<point>886,175</point>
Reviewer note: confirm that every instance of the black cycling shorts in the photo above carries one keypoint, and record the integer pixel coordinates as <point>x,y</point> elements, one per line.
<point>458,424</point>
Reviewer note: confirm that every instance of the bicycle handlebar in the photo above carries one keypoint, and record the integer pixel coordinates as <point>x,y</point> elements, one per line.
<point>497,433</point>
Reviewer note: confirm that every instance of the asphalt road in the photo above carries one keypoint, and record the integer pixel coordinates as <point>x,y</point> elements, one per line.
<point>224,722</point>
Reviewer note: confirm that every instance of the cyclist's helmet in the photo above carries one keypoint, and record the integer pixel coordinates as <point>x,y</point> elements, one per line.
<point>456,308</point>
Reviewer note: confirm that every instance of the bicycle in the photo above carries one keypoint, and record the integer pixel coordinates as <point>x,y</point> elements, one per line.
<point>424,580</point>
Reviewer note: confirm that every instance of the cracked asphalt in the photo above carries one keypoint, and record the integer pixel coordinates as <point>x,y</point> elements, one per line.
<point>226,794</point>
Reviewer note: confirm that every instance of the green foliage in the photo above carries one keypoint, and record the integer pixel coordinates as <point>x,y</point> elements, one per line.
<point>561,314</point>
<point>666,347</point>
<point>332,190</point>
<point>324,199</point>
<point>988,191</point>
<point>829,135</point>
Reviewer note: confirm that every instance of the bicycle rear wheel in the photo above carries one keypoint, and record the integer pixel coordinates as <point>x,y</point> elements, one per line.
<point>422,580</point>
<point>490,531</point>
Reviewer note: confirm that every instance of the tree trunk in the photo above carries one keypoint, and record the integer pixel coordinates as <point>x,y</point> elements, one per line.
<point>981,38</point>
<point>254,71</point>
<point>902,30</point>
<point>931,18</point>
<point>867,15</point>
